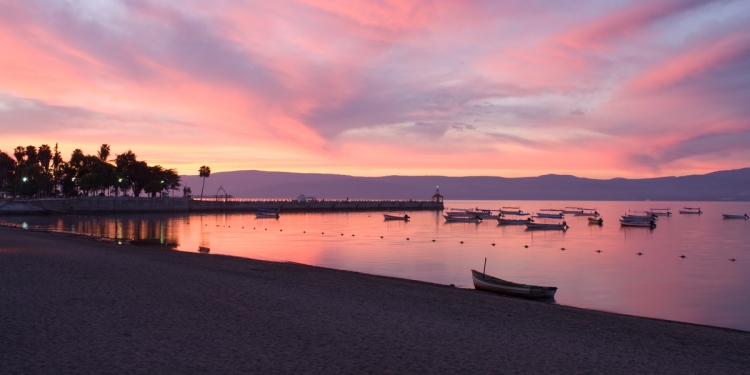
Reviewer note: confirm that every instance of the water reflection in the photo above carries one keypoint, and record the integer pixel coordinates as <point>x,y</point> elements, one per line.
<point>705,287</point>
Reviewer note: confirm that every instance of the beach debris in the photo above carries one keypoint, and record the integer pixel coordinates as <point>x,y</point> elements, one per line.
<point>682,256</point>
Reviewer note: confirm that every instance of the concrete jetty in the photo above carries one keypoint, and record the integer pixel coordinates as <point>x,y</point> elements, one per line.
<point>133,204</point>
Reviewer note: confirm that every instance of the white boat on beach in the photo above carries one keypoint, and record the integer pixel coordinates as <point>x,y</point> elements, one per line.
<point>462,219</point>
<point>489,283</point>
<point>691,211</point>
<point>547,226</point>
<point>728,216</point>
<point>402,217</point>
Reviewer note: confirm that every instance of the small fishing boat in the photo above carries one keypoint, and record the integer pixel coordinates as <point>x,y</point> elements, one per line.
<point>515,221</point>
<point>267,215</point>
<point>727,216</point>
<point>485,214</point>
<point>547,226</point>
<point>638,223</point>
<point>691,211</point>
<point>462,219</point>
<point>572,210</point>
<point>636,216</point>
<point>550,209</point>
<point>512,211</point>
<point>659,211</point>
<point>403,217</point>
<point>595,220</point>
<point>588,212</point>
<point>549,215</point>
<point>489,283</point>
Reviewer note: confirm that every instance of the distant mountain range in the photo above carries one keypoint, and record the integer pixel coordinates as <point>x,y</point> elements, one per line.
<point>721,185</point>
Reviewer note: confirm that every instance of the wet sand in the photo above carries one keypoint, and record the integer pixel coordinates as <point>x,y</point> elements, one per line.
<point>77,306</point>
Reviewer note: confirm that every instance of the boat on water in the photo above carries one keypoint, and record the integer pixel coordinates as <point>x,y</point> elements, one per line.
<point>462,219</point>
<point>588,212</point>
<point>691,211</point>
<point>513,221</point>
<point>550,215</point>
<point>659,211</point>
<point>547,226</point>
<point>571,210</point>
<point>512,211</point>
<point>485,214</point>
<point>636,216</point>
<point>638,223</point>
<point>489,283</point>
<point>267,215</point>
<point>728,216</point>
<point>402,217</point>
<point>596,220</point>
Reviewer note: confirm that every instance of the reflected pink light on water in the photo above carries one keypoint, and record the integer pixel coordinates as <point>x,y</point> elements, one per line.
<point>704,287</point>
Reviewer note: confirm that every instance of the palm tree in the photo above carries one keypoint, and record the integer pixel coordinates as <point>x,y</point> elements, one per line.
<point>103,152</point>
<point>204,172</point>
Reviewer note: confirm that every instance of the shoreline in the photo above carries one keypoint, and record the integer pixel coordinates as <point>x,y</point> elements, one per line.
<point>65,293</point>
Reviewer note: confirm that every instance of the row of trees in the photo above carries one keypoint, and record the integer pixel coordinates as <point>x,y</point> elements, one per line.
<point>43,172</point>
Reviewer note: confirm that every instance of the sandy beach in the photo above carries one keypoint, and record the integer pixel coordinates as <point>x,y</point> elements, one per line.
<point>73,305</point>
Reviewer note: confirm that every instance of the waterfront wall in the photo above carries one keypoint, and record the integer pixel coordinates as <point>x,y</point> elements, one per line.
<point>132,204</point>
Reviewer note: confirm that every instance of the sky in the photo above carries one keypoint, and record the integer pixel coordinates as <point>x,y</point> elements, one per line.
<point>597,89</point>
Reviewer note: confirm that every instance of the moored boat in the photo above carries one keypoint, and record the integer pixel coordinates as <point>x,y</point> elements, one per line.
<point>659,211</point>
<point>728,216</point>
<point>588,212</point>
<point>515,221</point>
<point>462,219</point>
<point>572,210</point>
<point>549,215</point>
<point>547,226</point>
<point>595,220</point>
<point>691,211</point>
<point>403,217</point>
<point>638,223</point>
<point>267,215</point>
<point>489,283</point>
<point>636,216</point>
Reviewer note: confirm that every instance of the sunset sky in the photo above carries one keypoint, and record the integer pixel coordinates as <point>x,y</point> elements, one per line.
<point>597,89</point>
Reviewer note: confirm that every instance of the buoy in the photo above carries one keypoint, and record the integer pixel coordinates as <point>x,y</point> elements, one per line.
<point>682,256</point>
<point>381,236</point>
<point>562,248</point>
<point>342,234</point>
<point>493,244</point>
<point>462,242</point>
<point>407,238</point>
<point>352,235</point>
<point>526,246</point>
<point>433,240</point>
<point>732,259</point>
<point>598,251</point>
<point>640,253</point>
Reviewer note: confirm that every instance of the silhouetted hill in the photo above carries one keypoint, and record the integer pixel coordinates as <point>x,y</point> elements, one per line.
<point>721,185</point>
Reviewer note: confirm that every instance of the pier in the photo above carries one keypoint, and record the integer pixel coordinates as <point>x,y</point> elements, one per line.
<point>133,204</point>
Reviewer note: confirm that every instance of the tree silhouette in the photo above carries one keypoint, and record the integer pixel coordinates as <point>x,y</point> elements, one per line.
<point>103,153</point>
<point>204,172</point>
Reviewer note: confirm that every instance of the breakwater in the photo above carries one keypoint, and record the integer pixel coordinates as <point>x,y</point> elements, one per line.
<point>132,204</point>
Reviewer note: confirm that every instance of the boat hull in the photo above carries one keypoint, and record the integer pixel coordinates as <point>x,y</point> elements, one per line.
<point>501,221</point>
<point>543,226</point>
<point>396,217</point>
<point>493,284</point>
<point>459,219</point>
<point>638,224</point>
<point>596,221</point>
<point>266,215</point>
<point>727,216</point>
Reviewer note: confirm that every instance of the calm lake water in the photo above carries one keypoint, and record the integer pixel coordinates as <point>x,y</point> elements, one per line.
<point>704,287</point>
